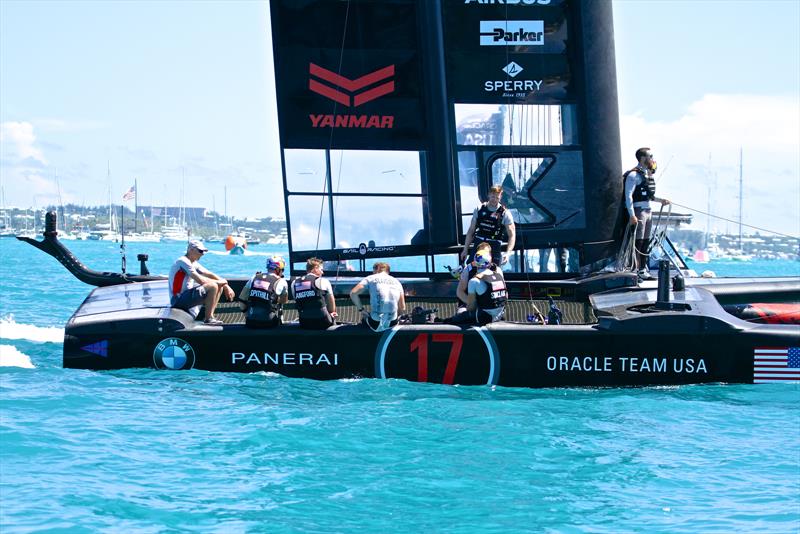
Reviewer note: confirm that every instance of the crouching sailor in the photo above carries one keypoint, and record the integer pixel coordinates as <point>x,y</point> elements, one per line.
<point>316,307</point>
<point>467,274</point>
<point>264,295</point>
<point>486,294</point>
<point>386,298</point>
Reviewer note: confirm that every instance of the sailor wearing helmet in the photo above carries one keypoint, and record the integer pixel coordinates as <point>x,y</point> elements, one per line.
<point>486,294</point>
<point>263,296</point>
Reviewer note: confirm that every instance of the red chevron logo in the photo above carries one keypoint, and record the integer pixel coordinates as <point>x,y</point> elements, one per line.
<point>341,84</point>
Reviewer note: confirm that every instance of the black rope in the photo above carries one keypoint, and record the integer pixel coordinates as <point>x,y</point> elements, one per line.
<point>330,138</point>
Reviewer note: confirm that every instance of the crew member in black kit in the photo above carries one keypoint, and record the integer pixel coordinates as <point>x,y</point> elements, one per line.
<point>264,295</point>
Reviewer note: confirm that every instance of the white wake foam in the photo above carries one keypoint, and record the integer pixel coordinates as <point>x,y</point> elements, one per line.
<point>11,357</point>
<point>10,329</point>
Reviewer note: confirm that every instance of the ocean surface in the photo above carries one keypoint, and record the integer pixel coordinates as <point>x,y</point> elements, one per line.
<point>149,451</point>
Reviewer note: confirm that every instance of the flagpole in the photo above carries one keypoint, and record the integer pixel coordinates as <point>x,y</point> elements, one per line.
<point>122,242</point>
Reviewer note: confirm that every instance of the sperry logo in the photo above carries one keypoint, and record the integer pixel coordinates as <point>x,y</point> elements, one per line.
<point>512,88</point>
<point>351,93</point>
<point>512,69</point>
<point>511,32</point>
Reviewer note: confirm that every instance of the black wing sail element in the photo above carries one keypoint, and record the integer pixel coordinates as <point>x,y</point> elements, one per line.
<point>397,117</point>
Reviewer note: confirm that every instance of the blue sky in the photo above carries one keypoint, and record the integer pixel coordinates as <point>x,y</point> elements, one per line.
<point>162,88</point>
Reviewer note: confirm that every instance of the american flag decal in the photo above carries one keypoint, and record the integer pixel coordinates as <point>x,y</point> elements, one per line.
<point>776,364</point>
<point>302,285</point>
<point>261,284</point>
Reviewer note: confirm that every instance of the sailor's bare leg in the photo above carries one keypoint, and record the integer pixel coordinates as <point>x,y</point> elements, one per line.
<point>211,300</point>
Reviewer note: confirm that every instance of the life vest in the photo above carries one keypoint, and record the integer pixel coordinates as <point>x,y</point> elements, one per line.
<point>490,223</point>
<point>496,296</point>
<point>472,270</point>
<point>309,298</point>
<point>262,305</point>
<point>645,190</point>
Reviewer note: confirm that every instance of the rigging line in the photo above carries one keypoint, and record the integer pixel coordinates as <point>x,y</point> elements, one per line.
<point>660,179</point>
<point>330,138</point>
<point>735,222</point>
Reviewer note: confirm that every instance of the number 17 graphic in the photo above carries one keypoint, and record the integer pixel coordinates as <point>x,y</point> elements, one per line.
<point>420,344</point>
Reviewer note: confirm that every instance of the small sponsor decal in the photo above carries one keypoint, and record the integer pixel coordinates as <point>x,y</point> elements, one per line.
<point>511,33</point>
<point>512,69</point>
<point>100,348</point>
<point>364,249</point>
<point>284,358</point>
<point>173,353</point>
<point>626,364</point>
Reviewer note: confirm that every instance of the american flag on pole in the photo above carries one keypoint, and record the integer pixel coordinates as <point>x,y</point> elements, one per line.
<point>130,194</point>
<point>776,364</point>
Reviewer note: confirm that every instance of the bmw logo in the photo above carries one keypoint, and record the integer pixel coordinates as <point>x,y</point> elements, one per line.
<point>173,353</point>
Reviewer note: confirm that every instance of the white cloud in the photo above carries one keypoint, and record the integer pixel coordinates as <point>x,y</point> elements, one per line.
<point>18,142</point>
<point>766,128</point>
<point>62,126</point>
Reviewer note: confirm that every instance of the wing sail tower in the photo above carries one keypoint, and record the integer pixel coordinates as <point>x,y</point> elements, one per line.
<point>396,117</point>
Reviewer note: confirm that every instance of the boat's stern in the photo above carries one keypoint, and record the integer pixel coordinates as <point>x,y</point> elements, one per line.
<point>116,327</point>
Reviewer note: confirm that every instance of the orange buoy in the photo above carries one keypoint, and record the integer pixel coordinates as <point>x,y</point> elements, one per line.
<point>235,241</point>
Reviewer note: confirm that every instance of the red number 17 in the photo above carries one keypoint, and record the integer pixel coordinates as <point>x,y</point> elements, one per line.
<point>420,344</point>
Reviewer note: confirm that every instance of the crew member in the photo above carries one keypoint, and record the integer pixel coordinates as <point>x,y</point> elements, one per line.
<point>486,295</point>
<point>488,221</point>
<point>386,298</point>
<point>467,274</point>
<point>640,190</point>
<point>264,295</point>
<point>191,284</point>
<point>316,306</point>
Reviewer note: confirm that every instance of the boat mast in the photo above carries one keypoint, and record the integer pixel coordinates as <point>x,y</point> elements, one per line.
<point>740,198</point>
<point>110,212</point>
<point>135,203</point>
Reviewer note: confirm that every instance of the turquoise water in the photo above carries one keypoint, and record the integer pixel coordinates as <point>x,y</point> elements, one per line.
<point>155,451</point>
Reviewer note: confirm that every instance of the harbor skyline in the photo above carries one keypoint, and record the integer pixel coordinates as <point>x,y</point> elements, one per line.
<point>83,87</point>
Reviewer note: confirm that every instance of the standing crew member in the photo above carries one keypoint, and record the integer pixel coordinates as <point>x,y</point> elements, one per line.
<point>316,307</point>
<point>486,295</point>
<point>191,284</point>
<point>487,224</point>
<point>386,298</point>
<point>640,189</point>
<point>264,295</point>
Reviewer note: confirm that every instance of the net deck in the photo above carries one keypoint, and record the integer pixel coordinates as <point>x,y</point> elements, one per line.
<point>517,311</point>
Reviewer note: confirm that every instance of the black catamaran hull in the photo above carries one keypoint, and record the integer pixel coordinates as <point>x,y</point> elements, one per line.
<point>625,348</point>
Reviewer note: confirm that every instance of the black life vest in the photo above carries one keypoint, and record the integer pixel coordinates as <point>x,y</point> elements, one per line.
<point>490,223</point>
<point>645,190</point>
<point>262,305</point>
<point>309,298</point>
<point>496,296</point>
<point>472,270</point>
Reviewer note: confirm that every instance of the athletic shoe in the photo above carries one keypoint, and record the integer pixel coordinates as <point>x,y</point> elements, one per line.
<point>212,321</point>
<point>644,274</point>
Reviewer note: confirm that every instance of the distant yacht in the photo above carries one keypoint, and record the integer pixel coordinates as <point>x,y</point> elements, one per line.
<point>143,237</point>
<point>174,234</point>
